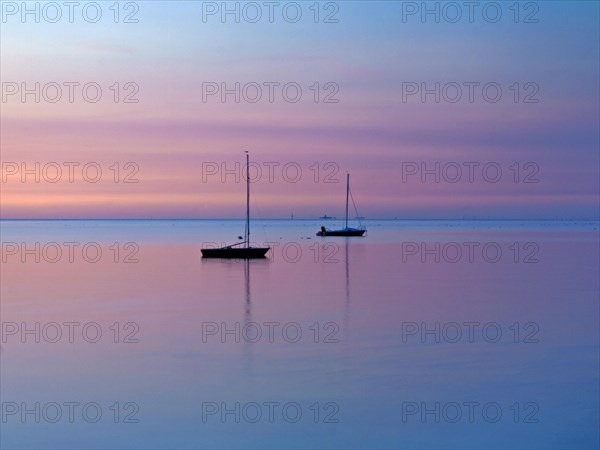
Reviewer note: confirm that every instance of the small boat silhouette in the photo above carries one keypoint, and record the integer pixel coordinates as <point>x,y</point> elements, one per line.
<point>347,231</point>
<point>233,251</point>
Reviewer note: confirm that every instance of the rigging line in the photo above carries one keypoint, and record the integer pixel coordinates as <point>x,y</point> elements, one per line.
<point>355,208</point>
<point>259,214</point>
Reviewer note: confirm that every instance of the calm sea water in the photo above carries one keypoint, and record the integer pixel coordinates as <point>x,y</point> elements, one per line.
<point>116,334</point>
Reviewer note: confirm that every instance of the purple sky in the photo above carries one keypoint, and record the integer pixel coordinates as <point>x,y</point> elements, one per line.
<point>177,140</point>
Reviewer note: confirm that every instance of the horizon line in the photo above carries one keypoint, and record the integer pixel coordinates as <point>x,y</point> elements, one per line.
<point>303,219</point>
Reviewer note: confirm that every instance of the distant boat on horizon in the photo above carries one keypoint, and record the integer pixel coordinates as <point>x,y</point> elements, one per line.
<point>346,231</point>
<point>233,251</point>
<point>326,217</point>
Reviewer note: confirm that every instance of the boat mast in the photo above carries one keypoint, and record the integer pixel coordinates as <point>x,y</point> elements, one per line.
<point>347,192</point>
<point>247,200</point>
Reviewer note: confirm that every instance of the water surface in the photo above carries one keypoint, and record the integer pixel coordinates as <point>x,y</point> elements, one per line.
<point>423,334</point>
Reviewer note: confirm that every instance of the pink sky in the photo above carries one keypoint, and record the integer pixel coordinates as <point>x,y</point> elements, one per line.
<point>171,134</point>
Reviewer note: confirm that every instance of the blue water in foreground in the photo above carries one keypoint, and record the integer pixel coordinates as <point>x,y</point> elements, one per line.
<point>422,334</point>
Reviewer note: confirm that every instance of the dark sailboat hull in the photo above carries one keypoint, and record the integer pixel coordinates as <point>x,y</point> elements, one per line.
<point>235,253</point>
<point>349,232</point>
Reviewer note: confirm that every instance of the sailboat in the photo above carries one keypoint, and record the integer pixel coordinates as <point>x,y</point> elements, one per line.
<point>347,231</point>
<point>235,251</point>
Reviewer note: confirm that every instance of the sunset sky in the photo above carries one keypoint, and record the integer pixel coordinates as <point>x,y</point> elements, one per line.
<point>171,135</point>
